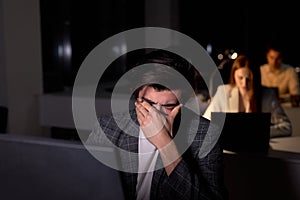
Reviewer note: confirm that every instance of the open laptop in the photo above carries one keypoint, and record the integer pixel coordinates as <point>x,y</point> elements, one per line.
<point>244,132</point>
<point>44,168</point>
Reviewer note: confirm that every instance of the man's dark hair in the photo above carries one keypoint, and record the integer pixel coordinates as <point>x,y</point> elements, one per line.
<point>159,74</point>
<point>276,46</point>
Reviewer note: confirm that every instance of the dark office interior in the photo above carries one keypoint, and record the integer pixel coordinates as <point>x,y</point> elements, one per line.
<point>44,42</point>
<point>224,26</point>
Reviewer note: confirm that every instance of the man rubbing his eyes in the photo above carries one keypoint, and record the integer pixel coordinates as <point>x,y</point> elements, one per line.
<point>163,138</point>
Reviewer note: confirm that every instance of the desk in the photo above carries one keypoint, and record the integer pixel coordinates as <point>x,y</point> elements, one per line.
<point>287,144</point>
<point>274,175</point>
<point>294,115</point>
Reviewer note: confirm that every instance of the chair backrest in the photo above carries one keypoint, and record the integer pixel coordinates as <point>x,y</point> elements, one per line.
<point>3,119</point>
<point>45,168</point>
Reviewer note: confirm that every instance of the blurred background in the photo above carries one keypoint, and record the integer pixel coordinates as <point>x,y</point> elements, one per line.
<point>44,42</point>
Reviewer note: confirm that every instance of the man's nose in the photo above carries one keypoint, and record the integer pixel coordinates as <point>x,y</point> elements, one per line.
<point>160,108</point>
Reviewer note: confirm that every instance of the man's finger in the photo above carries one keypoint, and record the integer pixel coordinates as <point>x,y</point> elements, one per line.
<point>175,111</point>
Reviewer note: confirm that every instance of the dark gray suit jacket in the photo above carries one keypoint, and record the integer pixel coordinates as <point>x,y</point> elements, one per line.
<point>198,176</point>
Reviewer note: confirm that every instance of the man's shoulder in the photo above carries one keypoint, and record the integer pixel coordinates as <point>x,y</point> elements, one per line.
<point>194,120</point>
<point>200,125</point>
<point>264,68</point>
<point>288,68</point>
<point>117,119</point>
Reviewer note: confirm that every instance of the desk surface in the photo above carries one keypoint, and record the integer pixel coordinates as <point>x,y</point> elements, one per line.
<point>288,144</point>
<point>294,114</point>
<point>285,148</point>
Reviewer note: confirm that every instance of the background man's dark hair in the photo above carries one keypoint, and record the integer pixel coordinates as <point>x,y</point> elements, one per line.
<point>275,45</point>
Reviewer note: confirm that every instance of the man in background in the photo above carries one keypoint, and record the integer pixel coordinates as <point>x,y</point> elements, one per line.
<point>275,73</point>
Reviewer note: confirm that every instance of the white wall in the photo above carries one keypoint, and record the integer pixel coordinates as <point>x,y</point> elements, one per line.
<point>20,64</point>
